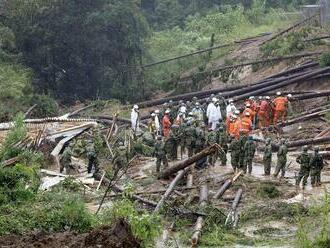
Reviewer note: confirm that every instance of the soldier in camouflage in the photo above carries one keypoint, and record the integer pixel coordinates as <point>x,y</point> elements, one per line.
<point>281,159</point>
<point>222,140</point>
<point>92,157</point>
<point>316,166</point>
<point>120,157</point>
<point>190,138</point>
<point>250,150</point>
<point>65,161</point>
<point>267,158</point>
<point>235,150</point>
<point>242,140</point>
<point>160,154</point>
<point>304,160</point>
<point>211,140</point>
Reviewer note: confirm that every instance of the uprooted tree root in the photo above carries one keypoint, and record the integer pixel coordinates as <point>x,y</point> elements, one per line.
<point>118,235</point>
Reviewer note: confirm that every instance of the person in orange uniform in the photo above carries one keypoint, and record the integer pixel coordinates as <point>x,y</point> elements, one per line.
<point>249,110</point>
<point>236,126</point>
<point>166,124</point>
<point>264,113</point>
<point>280,105</point>
<point>246,124</point>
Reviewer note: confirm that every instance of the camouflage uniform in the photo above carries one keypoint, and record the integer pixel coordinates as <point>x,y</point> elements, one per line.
<point>235,148</point>
<point>267,158</point>
<point>200,139</point>
<point>171,145</point>
<point>190,138</point>
<point>304,160</point>
<point>160,154</point>
<point>249,149</point>
<point>66,159</point>
<point>211,140</point>
<point>281,159</point>
<point>316,166</point>
<point>182,141</point>
<point>222,140</point>
<point>92,158</point>
<point>243,139</point>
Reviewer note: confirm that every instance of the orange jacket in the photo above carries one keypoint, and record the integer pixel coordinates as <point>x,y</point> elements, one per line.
<point>166,125</point>
<point>246,125</point>
<point>280,103</point>
<point>236,128</point>
<point>249,110</point>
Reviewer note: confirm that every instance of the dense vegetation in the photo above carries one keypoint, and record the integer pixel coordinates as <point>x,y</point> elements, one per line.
<point>77,49</point>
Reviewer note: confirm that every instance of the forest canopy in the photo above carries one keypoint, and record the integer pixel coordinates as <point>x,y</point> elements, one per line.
<point>90,49</point>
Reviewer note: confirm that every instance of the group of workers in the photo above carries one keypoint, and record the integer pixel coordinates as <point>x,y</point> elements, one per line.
<point>193,126</point>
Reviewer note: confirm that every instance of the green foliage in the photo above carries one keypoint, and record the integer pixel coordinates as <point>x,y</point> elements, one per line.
<point>318,219</point>
<point>49,212</point>
<point>80,49</point>
<point>17,184</point>
<point>325,59</point>
<point>145,226</point>
<point>46,105</point>
<point>16,134</point>
<point>268,190</point>
<point>289,44</point>
<point>70,184</point>
<point>227,25</point>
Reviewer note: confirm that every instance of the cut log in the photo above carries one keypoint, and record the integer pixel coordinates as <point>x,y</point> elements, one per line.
<point>304,118</point>
<point>170,189</point>
<point>232,216</point>
<point>28,112</point>
<point>226,185</point>
<point>189,161</point>
<point>203,198</point>
<point>323,133</point>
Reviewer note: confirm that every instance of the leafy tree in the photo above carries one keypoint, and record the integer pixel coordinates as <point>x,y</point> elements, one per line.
<point>80,48</point>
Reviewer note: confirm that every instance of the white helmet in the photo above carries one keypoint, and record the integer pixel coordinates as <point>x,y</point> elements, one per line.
<point>214,99</point>
<point>135,107</point>
<point>267,97</point>
<point>157,111</point>
<point>234,116</point>
<point>248,105</point>
<point>167,111</point>
<point>251,97</point>
<point>237,112</point>
<point>230,100</point>
<point>153,115</point>
<point>289,95</point>
<point>278,93</point>
<point>247,114</point>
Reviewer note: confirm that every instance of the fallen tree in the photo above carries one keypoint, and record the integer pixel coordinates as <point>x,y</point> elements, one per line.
<point>189,161</point>
<point>226,185</point>
<point>203,197</point>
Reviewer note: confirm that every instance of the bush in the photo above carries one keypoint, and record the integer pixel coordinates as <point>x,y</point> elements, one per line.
<point>325,59</point>
<point>46,106</point>
<point>145,226</point>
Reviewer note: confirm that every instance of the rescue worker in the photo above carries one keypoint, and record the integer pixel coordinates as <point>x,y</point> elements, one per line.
<point>182,131</point>
<point>135,118</point>
<point>160,154</point>
<point>249,152</point>
<point>198,113</point>
<point>213,114</point>
<point>65,160</point>
<point>222,105</point>
<point>242,139</point>
<point>231,107</point>
<point>304,160</point>
<point>152,124</point>
<point>211,140</point>
<point>179,119</point>
<point>246,123</point>
<point>263,113</point>
<point>200,138</point>
<point>92,157</point>
<point>171,143</point>
<point>183,109</point>
<point>281,159</point>
<point>280,107</point>
<point>222,140</point>
<point>190,138</point>
<point>166,124</point>
<point>235,150</point>
<point>157,122</point>
<point>316,166</point>
<point>267,157</point>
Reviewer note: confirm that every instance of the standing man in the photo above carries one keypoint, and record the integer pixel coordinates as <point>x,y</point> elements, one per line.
<point>222,138</point>
<point>242,139</point>
<point>92,157</point>
<point>280,105</point>
<point>135,118</point>
<point>267,158</point>
<point>160,154</point>
<point>250,150</point>
<point>166,124</point>
<point>213,114</point>
<point>235,150</point>
<point>316,165</point>
<point>211,140</point>
<point>304,160</point>
<point>281,159</point>
<point>157,122</point>
<point>190,138</point>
